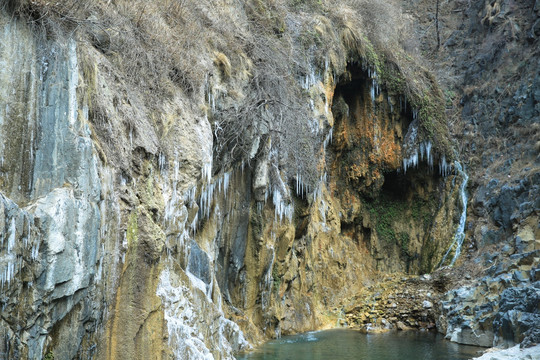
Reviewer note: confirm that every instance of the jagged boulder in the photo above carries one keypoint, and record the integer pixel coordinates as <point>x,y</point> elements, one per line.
<point>501,309</point>
<point>519,316</point>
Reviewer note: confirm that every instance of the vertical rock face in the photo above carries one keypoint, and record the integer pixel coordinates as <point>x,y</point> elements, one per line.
<point>81,240</point>
<point>497,136</point>
<point>50,173</point>
<point>291,262</point>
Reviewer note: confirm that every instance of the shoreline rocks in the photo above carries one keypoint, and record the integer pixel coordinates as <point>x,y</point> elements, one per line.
<point>513,353</point>
<point>500,309</point>
<point>399,302</point>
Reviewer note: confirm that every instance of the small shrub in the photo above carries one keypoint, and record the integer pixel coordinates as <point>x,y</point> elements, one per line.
<point>404,241</point>
<point>276,279</point>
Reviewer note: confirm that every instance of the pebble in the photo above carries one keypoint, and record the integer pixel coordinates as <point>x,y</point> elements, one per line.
<point>427,304</point>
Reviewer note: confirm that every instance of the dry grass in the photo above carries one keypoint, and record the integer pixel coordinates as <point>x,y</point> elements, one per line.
<point>258,50</point>
<point>160,45</point>
<point>223,64</point>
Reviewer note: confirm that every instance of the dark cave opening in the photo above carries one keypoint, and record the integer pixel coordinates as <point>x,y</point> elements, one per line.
<point>398,183</point>
<point>359,85</point>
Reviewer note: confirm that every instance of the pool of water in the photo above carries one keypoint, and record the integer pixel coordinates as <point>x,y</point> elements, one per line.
<point>354,345</point>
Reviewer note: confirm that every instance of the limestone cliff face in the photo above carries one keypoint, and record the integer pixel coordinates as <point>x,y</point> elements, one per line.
<point>304,255</point>
<point>86,220</point>
<point>166,203</point>
<point>51,255</point>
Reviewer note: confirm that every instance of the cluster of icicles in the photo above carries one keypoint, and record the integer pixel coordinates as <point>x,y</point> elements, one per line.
<point>180,229</point>
<point>180,304</point>
<point>12,254</point>
<point>424,153</point>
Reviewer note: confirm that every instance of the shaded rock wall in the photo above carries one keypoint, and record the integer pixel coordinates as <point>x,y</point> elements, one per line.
<point>491,104</point>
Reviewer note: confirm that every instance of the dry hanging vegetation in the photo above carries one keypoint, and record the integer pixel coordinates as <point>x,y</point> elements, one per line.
<point>244,62</point>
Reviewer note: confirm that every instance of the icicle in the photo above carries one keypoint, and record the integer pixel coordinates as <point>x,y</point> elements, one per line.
<point>190,195</point>
<point>411,161</point>
<point>206,172</point>
<point>326,63</point>
<point>326,105</point>
<point>267,282</point>
<point>444,167</point>
<point>429,155</point>
<point>328,139</point>
<point>226,178</point>
<point>11,238</point>
<point>162,163</point>
<point>35,251</point>
<point>415,114</point>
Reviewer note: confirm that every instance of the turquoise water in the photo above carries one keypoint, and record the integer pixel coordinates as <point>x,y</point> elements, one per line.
<point>353,345</point>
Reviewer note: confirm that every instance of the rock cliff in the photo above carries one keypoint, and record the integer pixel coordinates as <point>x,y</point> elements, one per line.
<point>491,99</point>
<point>182,180</point>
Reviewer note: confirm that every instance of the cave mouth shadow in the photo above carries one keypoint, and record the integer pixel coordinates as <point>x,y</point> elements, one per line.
<point>397,184</point>
<point>358,86</point>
